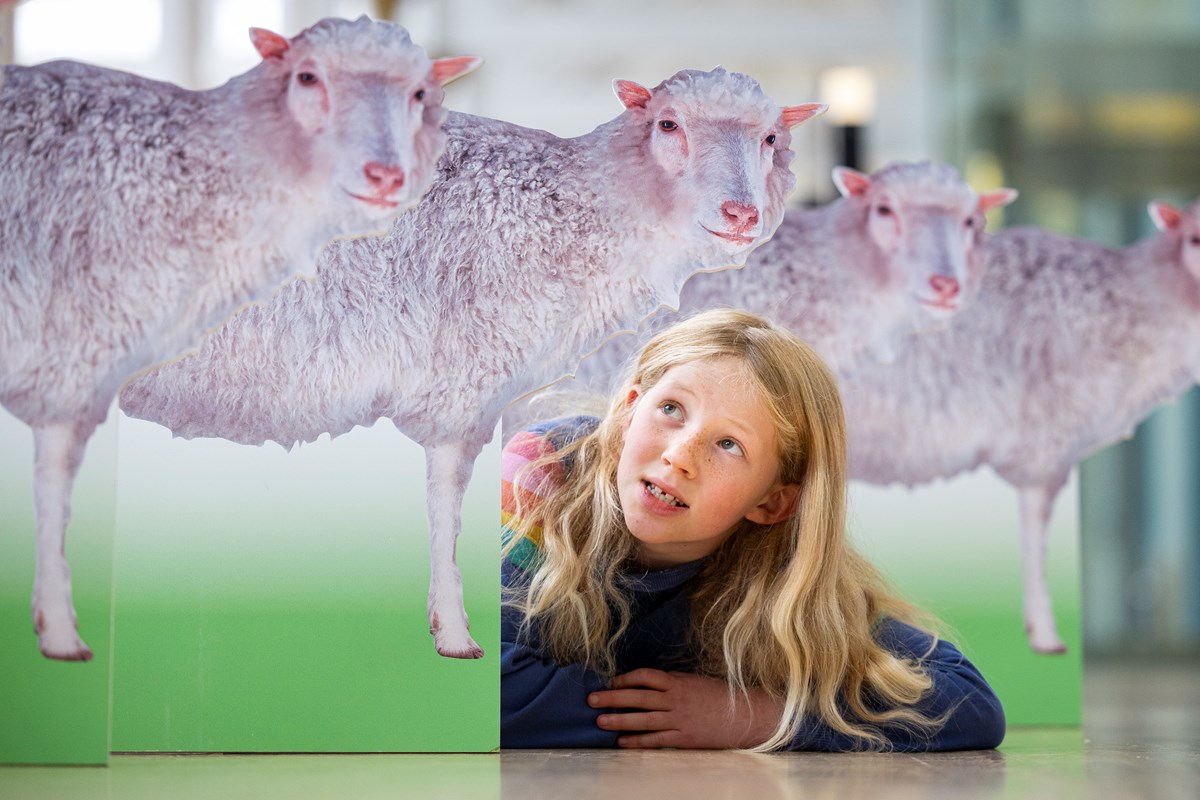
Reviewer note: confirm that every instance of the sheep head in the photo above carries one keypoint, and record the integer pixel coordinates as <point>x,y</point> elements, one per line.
<point>925,222</point>
<point>716,151</point>
<point>367,108</point>
<point>1184,225</point>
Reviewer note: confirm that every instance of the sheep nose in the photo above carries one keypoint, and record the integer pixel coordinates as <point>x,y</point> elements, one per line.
<point>740,216</point>
<point>945,286</point>
<point>384,178</point>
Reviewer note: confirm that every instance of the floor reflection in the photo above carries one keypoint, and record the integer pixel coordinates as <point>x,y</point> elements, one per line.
<point>698,775</point>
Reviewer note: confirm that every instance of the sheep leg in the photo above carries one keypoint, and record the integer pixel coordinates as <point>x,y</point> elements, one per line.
<point>448,469</point>
<point>58,451</point>
<point>1036,503</point>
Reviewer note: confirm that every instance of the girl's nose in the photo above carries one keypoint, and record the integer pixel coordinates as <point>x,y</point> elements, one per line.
<point>680,453</point>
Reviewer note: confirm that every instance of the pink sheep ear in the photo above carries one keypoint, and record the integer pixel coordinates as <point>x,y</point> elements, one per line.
<point>268,45</point>
<point>996,199</point>
<point>1166,216</point>
<point>631,94</point>
<point>851,182</point>
<point>794,115</point>
<point>447,69</point>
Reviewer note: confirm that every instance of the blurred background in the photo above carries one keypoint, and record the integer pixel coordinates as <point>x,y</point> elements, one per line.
<point>1091,108</point>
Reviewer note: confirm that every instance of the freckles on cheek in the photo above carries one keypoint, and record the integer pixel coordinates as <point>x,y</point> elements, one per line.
<point>716,472</point>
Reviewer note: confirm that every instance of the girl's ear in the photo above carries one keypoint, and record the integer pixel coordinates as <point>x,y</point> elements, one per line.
<point>779,504</point>
<point>630,402</point>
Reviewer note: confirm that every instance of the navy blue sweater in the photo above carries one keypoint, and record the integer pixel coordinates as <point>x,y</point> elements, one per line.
<point>544,704</point>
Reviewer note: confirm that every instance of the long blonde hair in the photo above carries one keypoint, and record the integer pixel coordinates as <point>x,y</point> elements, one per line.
<point>788,607</point>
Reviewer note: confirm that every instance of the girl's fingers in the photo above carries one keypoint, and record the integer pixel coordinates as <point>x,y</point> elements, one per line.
<point>634,721</point>
<point>629,698</point>
<point>644,678</point>
<point>648,740</point>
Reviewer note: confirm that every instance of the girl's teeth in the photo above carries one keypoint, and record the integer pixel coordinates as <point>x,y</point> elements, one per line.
<point>661,495</point>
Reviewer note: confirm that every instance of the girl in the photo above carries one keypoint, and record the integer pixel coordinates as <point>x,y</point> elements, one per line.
<point>677,574</point>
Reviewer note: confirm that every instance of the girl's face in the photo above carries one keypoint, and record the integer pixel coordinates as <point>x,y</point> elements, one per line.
<point>700,455</point>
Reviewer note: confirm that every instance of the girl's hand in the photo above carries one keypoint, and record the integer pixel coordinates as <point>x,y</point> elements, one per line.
<point>679,709</point>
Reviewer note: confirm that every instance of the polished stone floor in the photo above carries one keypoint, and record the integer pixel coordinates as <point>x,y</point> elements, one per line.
<point>1141,739</point>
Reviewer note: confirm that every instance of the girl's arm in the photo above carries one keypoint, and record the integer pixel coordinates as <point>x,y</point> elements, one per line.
<point>975,718</point>
<point>685,711</point>
<point>675,709</point>
<point>543,704</point>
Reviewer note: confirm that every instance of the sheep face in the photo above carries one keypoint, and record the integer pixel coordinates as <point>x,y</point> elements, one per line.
<point>1189,233</point>
<point>366,103</point>
<point>1184,224</point>
<point>925,221</point>
<point>718,151</point>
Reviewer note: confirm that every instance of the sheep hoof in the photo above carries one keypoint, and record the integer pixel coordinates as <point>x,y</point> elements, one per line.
<point>453,640</point>
<point>56,630</point>
<point>456,647</point>
<point>1056,648</point>
<point>63,646</point>
<point>1045,642</point>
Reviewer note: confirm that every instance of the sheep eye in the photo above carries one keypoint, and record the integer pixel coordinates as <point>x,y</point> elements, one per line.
<point>970,223</point>
<point>1195,241</point>
<point>420,94</point>
<point>307,79</point>
<point>667,125</point>
<point>771,139</point>
<point>883,211</point>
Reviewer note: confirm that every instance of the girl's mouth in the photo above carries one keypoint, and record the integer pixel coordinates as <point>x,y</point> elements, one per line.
<point>659,494</point>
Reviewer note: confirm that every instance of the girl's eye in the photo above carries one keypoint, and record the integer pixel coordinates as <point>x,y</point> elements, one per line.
<point>420,94</point>
<point>306,79</point>
<point>730,446</point>
<point>671,410</point>
<point>771,139</point>
<point>667,125</point>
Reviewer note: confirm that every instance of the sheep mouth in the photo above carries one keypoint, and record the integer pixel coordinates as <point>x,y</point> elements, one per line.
<point>942,304</point>
<point>736,238</point>
<point>378,202</point>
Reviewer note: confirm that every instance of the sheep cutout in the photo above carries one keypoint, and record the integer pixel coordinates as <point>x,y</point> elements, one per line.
<point>852,278</point>
<point>1068,346</point>
<point>135,215</point>
<point>528,250</point>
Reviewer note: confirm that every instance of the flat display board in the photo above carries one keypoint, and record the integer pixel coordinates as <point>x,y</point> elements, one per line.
<point>55,712</point>
<point>274,601</point>
<point>952,547</point>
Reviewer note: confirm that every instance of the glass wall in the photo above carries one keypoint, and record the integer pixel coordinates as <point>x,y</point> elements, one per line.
<point>1092,109</point>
